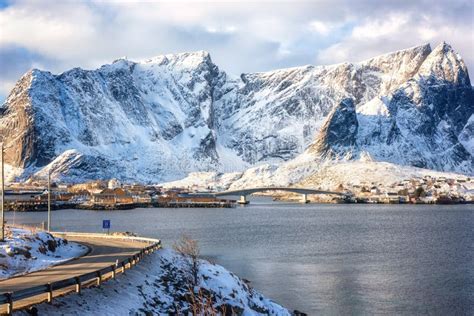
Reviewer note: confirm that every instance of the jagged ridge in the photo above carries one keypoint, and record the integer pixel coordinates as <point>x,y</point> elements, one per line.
<point>162,118</point>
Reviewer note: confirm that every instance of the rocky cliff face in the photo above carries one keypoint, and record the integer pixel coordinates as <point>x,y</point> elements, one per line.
<point>273,116</point>
<point>339,132</point>
<point>162,118</point>
<point>135,120</point>
<point>420,123</point>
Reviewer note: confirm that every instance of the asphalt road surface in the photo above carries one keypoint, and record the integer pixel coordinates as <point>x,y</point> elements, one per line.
<point>103,253</point>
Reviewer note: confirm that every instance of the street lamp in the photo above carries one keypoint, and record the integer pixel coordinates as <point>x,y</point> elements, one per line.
<point>49,200</point>
<point>2,210</point>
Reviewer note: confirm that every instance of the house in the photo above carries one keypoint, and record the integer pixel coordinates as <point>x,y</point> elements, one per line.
<point>114,184</point>
<point>112,196</point>
<point>374,190</point>
<point>391,198</point>
<point>141,198</point>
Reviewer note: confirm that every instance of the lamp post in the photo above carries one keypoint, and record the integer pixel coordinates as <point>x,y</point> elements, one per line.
<point>2,210</point>
<point>49,201</point>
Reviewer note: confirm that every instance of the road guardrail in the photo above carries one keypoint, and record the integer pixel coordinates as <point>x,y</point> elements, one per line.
<point>75,284</point>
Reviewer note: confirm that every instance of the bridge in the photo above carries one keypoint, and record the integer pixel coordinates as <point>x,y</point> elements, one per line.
<point>243,193</point>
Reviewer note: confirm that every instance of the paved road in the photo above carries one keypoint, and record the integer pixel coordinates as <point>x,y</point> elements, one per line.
<point>104,252</point>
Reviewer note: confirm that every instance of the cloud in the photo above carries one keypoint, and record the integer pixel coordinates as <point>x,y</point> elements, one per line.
<point>405,28</point>
<point>13,62</point>
<point>243,36</point>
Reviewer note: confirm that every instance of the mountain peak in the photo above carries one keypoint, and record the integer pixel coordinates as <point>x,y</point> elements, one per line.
<point>443,47</point>
<point>443,63</point>
<point>178,113</point>
<point>196,56</point>
<point>412,52</point>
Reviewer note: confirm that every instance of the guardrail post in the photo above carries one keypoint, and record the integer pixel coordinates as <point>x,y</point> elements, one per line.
<point>78,285</point>
<point>50,293</point>
<point>123,267</point>
<point>99,278</point>
<point>113,271</point>
<point>9,303</point>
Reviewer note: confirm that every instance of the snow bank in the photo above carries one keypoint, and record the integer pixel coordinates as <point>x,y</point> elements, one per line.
<point>157,286</point>
<point>26,251</point>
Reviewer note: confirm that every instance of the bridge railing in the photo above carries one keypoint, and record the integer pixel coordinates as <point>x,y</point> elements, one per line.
<point>75,284</point>
<point>247,191</point>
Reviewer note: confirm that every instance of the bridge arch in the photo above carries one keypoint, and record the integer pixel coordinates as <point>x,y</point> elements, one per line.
<point>243,193</point>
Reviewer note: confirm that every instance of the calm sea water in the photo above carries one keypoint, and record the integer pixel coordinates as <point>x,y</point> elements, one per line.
<point>321,259</point>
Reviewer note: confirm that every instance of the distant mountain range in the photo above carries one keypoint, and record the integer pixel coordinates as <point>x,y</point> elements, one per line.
<point>159,119</point>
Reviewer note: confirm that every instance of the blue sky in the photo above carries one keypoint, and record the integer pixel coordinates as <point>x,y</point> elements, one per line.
<point>242,36</point>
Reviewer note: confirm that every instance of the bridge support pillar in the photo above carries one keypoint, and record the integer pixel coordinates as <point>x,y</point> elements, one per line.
<point>243,200</point>
<point>304,198</point>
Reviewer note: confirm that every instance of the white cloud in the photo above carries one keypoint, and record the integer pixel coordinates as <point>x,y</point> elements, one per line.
<point>374,36</point>
<point>241,36</point>
<point>374,29</point>
<point>323,28</point>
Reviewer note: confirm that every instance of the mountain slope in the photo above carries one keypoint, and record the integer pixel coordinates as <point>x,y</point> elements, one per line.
<point>162,118</point>
<point>422,120</point>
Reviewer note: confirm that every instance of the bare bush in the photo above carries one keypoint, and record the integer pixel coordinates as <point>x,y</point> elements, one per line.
<point>189,249</point>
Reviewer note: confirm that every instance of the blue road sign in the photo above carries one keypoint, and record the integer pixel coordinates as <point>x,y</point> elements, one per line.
<point>106,224</point>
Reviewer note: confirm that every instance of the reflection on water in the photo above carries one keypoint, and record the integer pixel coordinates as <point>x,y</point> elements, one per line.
<point>331,259</point>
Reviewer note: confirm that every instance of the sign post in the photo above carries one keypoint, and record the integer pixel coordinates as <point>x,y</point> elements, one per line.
<point>106,225</point>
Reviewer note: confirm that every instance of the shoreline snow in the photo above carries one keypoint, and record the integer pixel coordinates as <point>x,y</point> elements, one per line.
<point>158,286</point>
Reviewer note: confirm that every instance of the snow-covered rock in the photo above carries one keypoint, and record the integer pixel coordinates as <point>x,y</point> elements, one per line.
<point>162,118</point>
<point>157,286</point>
<point>424,122</point>
<point>26,251</point>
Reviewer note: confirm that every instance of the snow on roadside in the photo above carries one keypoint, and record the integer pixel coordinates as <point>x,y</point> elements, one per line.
<point>156,286</point>
<point>26,251</point>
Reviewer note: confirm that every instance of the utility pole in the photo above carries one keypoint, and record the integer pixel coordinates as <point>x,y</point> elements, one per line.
<point>49,201</point>
<point>2,210</point>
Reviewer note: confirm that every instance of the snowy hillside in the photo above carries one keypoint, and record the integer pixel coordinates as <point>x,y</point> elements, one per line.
<point>25,251</point>
<point>160,119</point>
<point>304,171</point>
<point>160,290</point>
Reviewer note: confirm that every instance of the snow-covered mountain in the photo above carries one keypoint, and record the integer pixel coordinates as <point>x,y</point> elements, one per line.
<point>162,118</point>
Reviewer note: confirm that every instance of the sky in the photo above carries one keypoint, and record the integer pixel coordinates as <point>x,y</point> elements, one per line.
<point>241,36</point>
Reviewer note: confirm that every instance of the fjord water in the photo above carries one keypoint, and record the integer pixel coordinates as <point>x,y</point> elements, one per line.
<point>329,259</point>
